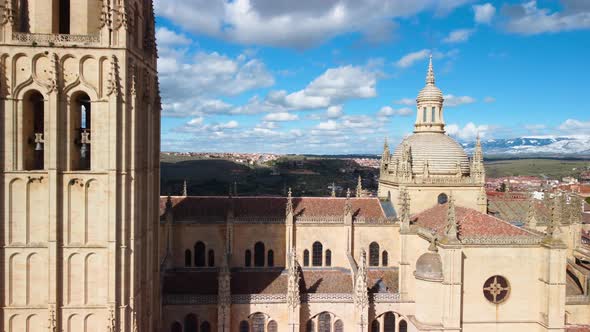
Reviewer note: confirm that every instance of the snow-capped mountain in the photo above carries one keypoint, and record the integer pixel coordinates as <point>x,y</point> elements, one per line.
<point>573,146</point>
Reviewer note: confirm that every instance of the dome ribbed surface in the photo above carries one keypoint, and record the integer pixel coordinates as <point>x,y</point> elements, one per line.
<point>429,266</point>
<point>441,151</point>
<point>430,93</point>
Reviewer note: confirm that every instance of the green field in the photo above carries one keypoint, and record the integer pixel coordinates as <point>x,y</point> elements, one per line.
<point>550,168</point>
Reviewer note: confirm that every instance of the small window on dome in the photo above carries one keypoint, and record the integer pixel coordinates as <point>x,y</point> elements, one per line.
<point>442,198</point>
<point>424,115</point>
<point>432,115</point>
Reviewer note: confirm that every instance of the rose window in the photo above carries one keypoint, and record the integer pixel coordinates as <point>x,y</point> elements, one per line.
<point>496,289</point>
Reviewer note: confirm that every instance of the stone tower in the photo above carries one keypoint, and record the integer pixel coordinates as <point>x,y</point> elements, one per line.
<point>79,169</point>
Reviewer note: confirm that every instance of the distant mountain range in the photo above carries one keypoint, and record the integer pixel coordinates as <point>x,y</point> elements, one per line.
<point>543,146</point>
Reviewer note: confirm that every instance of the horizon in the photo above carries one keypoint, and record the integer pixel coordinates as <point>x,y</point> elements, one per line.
<point>237,75</point>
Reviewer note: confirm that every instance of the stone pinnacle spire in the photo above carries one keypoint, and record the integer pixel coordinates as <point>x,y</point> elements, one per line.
<point>184,189</point>
<point>430,74</point>
<point>359,187</point>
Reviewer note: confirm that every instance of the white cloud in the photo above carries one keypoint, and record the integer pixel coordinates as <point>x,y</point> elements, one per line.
<point>334,112</point>
<point>468,133</point>
<point>410,58</point>
<point>529,19</point>
<point>406,101</point>
<point>484,13</point>
<point>272,22</point>
<point>453,101</point>
<point>328,125</point>
<point>458,36</point>
<point>388,111</point>
<point>489,99</point>
<point>573,125</point>
<point>168,37</point>
<point>282,116</point>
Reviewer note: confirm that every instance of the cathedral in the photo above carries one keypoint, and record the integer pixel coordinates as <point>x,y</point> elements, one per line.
<point>89,246</point>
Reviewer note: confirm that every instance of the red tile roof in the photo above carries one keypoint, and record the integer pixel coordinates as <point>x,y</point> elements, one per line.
<point>259,282</point>
<point>192,208</point>
<point>471,223</point>
<point>577,328</point>
<point>389,277</point>
<point>326,281</point>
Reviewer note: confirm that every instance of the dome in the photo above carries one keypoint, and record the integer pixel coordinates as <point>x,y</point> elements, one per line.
<point>441,151</point>
<point>430,93</point>
<point>429,266</point>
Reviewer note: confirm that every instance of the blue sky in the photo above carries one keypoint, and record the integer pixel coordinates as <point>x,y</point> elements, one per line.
<point>337,76</point>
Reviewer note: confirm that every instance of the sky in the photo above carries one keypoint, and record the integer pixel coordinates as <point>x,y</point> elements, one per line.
<point>339,76</point>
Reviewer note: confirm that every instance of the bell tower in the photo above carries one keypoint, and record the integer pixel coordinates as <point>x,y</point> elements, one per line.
<point>79,166</point>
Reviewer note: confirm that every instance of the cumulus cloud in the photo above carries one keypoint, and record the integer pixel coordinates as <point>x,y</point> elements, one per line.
<point>272,22</point>
<point>166,37</point>
<point>573,125</point>
<point>409,59</point>
<point>282,116</point>
<point>388,111</point>
<point>458,36</point>
<point>453,101</point>
<point>468,133</point>
<point>334,112</point>
<point>528,19</point>
<point>406,101</point>
<point>484,13</point>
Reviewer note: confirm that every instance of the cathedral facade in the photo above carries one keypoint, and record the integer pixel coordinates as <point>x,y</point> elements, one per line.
<point>79,166</point>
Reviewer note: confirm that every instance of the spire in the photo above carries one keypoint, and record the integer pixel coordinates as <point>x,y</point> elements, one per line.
<point>404,207</point>
<point>452,231</point>
<point>531,217</point>
<point>235,188</point>
<point>293,299</point>
<point>430,74</point>
<point>348,204</point>
<point>184,189</point>
<point>361,296</point>
<point>359,187</point>
<point>333,189</point>
<point>289,209</point>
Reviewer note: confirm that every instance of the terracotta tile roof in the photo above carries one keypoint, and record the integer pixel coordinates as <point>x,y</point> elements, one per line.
<point>577,328</point>
<point>193,207</point>
<point>190,282</point>
<point>388,277</point>
<point>471,223</point>
<point>259,282</point>
<point>325,281</point>
<point>586,217</point>
<point>515,208</point>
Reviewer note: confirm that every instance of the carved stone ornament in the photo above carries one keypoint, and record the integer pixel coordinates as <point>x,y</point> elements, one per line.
<point>496,289</point>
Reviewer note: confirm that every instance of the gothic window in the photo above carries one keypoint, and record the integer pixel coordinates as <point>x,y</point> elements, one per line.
<point>338,326</point>
<point>23,16</point>
<point>324,322</point>
<point>33,130</point>
<point>328,257</point>
<point>374,254</point>
<point>176,327</point>
<point>496,289</point>
<point>187,258</point>
<point>259,254</point>
<point>211,257</point>
<point>205,326</point>
<point>316,258</point>
<point>199,254</point>
<point>248,258</point>
<point>442,198</point>
<point>190,323</point>
<point>310,326</point>
<point>244,327</point>
<point>81,115</point>
<point>272,326</point>
<point>258,322</point>
<point>375,326</point>
<point>389,322</point>
<point>271,258</point>
<point>306,257</point>
<point>384,258</point>
<point>64,16</point>
<point>403,326</point>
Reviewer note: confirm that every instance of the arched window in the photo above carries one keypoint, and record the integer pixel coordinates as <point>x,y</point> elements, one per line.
<point>205,326</point>
<point>199,254</point>
<point>442,198</point>
<point>389,322</point>
<point>316,258</point>
<point>81,116</point>
<point>259,254</point>
<point>244,327</point>
<point>176,327</point>
<point>324,322</point>
<point>64,16</point>
<point>272,326</point>
<point>432,116</point>
<point>384,258</point>
<point>211,257</point>
<point>338,326</point>
<point>305,257</point>
<point>190,323</point>
<point>374,254</point>
<point>258,322</point>
<point>187,258</point>
<point>403,326</point>
<point>328,257</point>
<point>24,25</point>
<point>424,114</point>
<point>271,258</point>
<point>310,326</point>
<point>33,131</point>
<point>248,258</point>
<point>375,326</point>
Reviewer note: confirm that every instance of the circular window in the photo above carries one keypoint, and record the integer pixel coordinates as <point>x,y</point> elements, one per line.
<point>496,289</point>
<point>442,198</point>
